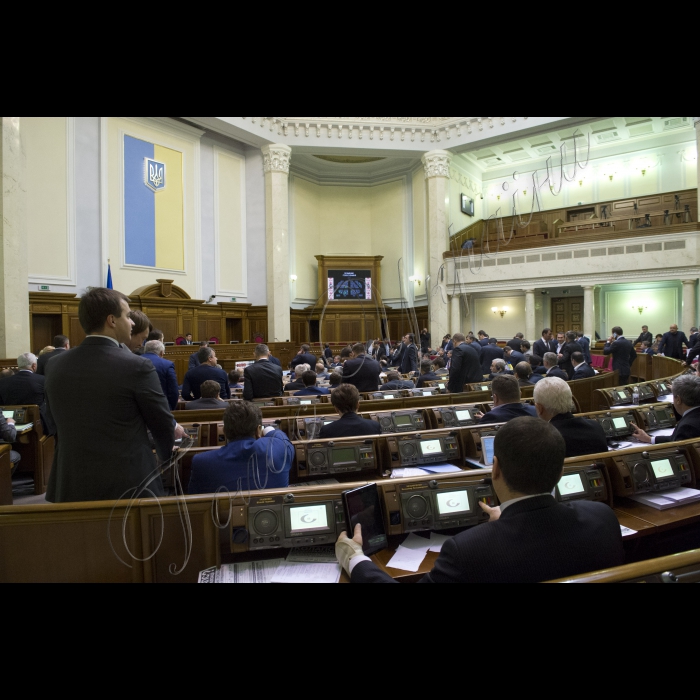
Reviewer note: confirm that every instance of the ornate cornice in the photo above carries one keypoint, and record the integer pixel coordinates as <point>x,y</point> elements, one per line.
<point>412,129</point>
<point>276,158</point>
<point>437,164</point>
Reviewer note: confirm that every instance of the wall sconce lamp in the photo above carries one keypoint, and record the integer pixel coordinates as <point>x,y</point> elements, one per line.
<point>415,280</point>
<point>294,278</point>
<point>502,312</point>
<point>641,309</point>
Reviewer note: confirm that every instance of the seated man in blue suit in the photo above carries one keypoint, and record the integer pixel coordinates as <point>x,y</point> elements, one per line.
<point>506,402</point>
<point>531,538</point>
<point>155,352</point>
<point>207,371</point>
<point>309,378</point>
<point>253,459</point>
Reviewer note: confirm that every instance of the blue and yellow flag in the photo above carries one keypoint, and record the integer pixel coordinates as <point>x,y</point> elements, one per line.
<point>153,205</point>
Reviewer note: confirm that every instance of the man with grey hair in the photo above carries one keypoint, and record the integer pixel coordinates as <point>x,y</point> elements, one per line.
<point>498,369</point>
<point>554,404</point>
<point>551,364</point>
<point>155,352</point>
<point>263,380</point>
<point>26,388</point>
<point>298,384</point>
<point>686,401</point>
<point>207,371</point>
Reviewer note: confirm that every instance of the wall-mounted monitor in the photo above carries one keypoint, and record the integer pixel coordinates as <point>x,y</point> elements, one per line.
<point>349,285</point>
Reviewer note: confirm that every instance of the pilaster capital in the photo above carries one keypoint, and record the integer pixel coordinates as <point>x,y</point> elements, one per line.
<point>529,291</point>
<point>276,158</point>
<point>689,283</point>
<point>437,164</point>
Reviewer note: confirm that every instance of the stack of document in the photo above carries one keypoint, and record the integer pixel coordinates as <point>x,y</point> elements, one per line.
<point>302,566</point>
<point>425,471</point>
<point>411,554</point>
<point>668,499</point>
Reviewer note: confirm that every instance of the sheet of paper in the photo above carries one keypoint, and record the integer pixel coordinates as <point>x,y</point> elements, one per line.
<point>437,542</point>
<point>416,543</point>
<point>681,494</point>
<point>624,446</point>
<point>407,559</point>
<point>658,500</point>
<point>442,469</point>
<point>665,399</point>
<point>666,432</point>
<point>304,572</point>
<point>22,428</point>
<point>408,473</point>
<point>250,573</point>
<point>626,532</point>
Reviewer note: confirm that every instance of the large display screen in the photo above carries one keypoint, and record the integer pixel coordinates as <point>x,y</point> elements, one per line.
<point>663,469</point>
<point>619,423</point>
<point>349,285</point>
<point>572,485</point>
<point>453,503</point>
<point>431,447</point>
<point>308,518</point>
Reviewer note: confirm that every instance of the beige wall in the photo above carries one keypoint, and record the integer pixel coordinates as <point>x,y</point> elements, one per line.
<point>497,327</point>
<point>50,233</point>
<point>330,220</point>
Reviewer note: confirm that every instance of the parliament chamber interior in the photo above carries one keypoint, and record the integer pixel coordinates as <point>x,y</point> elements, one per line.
<point>297,350</point>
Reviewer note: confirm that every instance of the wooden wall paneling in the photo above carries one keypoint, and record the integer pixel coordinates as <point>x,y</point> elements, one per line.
<point>70,544</point>
<point>168,557</point>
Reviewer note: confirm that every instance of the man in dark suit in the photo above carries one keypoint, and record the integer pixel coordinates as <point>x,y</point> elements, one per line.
<point>551,364</point>
<point>210,400</point>
<point>582,370</point>
<point>672,344</point>
<point>103,402</point>
<point>645,337</point>
<point>395,383</point>
<point>384,351</point>
<point>686,401</point>
<point>207,370</point>
<point>517,342</point>
<point>623,354</point>
<point>188,340</point>
<point>466,366</point>
<point>155,352</point>
<point>62,345</point>
<point>263,380</point>
<point>362,371</point>
<point>194,358</point>
<point>531,538</point>
<point>425,340</point>
<point>490,353</point>
<point>426,374</point>
<point>545,344</point>
<point>513,357</point>
<point>310,389</point>
<point>484,339</point>
<point>26,388</point>
<point>506,403</point>
<point>569,348</point>
<point>585,344</point>
<point>554,403</point>
<point>409,359</point>
<point>346,400</point>
<point>304,357</point>
<point>694,337</point>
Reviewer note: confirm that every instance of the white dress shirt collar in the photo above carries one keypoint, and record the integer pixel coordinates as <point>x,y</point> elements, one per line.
<point>106,337</point>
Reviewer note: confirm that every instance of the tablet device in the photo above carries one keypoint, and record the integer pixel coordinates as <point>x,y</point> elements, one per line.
<point>364,507</point>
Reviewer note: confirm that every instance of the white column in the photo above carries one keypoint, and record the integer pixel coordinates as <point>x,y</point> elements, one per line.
<point>689,306</point>
<point>455,316</point>
<point>437,174</point>
<point>14,260</point>
<point>589,313</point>
<point>276,159</point>
<point>530,322</point>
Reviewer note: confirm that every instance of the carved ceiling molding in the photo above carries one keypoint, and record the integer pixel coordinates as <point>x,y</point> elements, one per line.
<point>431,129</point>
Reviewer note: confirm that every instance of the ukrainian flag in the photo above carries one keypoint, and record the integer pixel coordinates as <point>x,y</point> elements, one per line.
<point>154,219</point>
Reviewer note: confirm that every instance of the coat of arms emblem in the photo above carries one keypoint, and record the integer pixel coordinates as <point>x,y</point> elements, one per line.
<point>154,174</point>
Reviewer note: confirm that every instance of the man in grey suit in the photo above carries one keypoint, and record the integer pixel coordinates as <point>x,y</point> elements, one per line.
<point>103,402</point>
